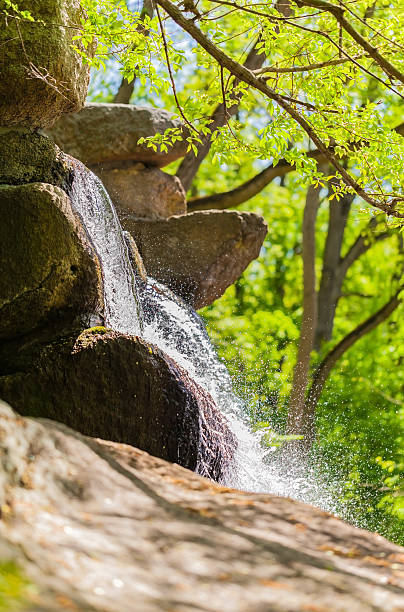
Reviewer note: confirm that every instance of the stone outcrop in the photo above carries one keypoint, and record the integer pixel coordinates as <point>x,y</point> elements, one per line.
<point>117,387</point>
<point>29,157</point>
<point>42,77</point>
<point>50,274</point>
<point>200,254</point>
<point>143,191</point>
<point>105,527</point>
<point>102,133</point>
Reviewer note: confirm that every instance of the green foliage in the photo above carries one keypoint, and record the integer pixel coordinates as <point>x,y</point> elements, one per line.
<point>350,105</point>
<point>16,590</point>
<point>270,439</point>
<point>360,418</point>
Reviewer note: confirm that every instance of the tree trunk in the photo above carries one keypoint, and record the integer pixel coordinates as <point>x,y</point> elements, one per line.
<point>332,275</point>
<point>298,421</point>
<point>124,92</point>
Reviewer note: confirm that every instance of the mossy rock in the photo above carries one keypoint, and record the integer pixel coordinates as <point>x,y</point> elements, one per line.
<point>49,272</point>
<point>29,157</point>
<point>117,387</point>
<point>42,76</point>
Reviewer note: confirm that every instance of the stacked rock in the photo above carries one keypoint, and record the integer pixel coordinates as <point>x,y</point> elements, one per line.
<point>197,255</point>
<point>50,275</point>
<point>105,138</point>
<point>95,380</point>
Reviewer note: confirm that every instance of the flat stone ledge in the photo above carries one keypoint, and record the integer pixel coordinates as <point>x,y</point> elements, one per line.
<point>109,133</point>
<point>198,255</point>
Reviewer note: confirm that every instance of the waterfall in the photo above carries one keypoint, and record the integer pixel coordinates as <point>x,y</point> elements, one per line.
<point>161,318</point>
<point>92,202</point>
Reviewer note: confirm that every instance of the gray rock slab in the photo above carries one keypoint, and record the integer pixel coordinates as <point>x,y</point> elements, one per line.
<point>106,527</point>
<point>143,191</point>
<point>198,255</point>
<point>109,133</point>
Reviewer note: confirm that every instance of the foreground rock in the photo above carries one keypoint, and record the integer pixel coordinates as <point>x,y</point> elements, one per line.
<point>144,191</point>
<point>110,132</point>
<point>109,385</point>
<point>42,77</point>
<point>200,254</point>
<point>105,527</point>
<point>49,272</point>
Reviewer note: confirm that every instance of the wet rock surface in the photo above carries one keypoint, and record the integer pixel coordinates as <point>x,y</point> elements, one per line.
<point>143,191</point>
<point>200,254</point>
<point>118,387</point>
<point>110,132</point>
<point>42,77</point>
<point>49,272</point>
<point>98,526</point>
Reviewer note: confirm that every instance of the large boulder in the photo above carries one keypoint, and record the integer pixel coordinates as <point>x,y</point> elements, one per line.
<point>110,132</point>
<point>143,191</point>
<point>42,77</point>
<point>49,272</point>
<point>200,254</point>
<point>100,526</point>
<point>118,387</point>
<point>29,157</point>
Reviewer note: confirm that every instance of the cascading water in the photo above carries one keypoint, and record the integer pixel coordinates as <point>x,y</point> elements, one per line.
<point>158,316</point>
<point>92,202</point>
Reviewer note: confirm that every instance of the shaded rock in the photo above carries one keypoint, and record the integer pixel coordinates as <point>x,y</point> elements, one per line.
<point>109,133</point>
<point>200,254</point>
<point>107,525</point>
<point>42,77</point>
<point>28,157</point>
<point>49,272</point>
<point>109,385</point>
<point>143,191</point>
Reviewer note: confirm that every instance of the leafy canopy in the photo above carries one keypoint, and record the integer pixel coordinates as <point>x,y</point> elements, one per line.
<point>331,80</point>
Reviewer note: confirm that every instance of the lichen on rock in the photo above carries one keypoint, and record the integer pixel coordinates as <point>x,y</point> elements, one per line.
<point>42,76</point>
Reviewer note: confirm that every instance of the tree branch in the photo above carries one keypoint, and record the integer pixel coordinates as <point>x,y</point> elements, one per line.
<point>292,69</point>
<point>338,13</point>
<point>191,163</point>
<point>323,371</point>
<point>256,184</point>
<point>247,190</point>
<point>361,245</point>
<point>245,75</point>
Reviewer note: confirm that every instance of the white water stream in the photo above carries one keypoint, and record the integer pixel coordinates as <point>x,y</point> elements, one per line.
<point>161,318</point>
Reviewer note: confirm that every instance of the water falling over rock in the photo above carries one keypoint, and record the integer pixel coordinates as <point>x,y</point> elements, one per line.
<point>175,328</point>
<point>93,203</point>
